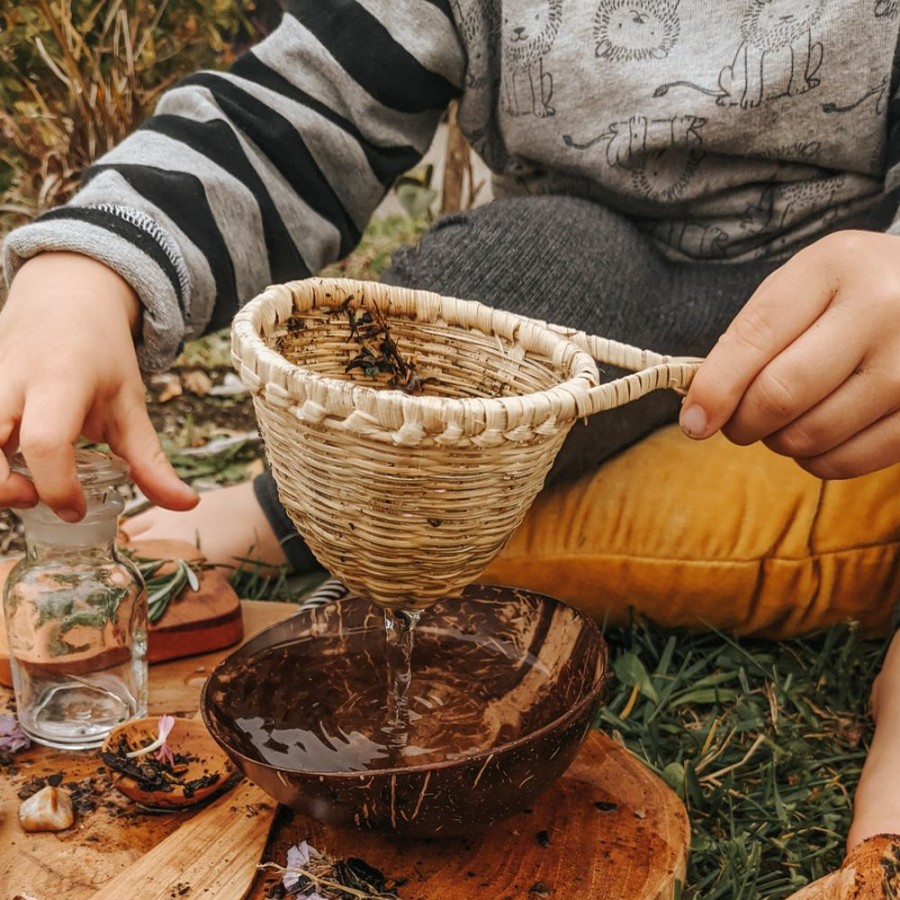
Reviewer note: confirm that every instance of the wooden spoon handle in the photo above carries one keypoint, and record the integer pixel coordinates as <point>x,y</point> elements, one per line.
<point>215,853</point>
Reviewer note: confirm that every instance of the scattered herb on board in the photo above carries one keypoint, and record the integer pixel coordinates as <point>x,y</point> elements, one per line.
<point>312,875</point>
<point>379,353</point>
<point>162,771</point>
<point>87,793</point>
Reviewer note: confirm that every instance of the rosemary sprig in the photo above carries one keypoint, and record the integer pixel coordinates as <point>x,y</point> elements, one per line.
<point>163,588</point>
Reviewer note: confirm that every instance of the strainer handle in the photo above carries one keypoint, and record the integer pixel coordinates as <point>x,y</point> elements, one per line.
<point>650,371</point>
<point>676,374</point>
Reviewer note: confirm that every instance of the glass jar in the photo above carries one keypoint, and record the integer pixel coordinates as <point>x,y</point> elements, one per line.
<point>76,617</point>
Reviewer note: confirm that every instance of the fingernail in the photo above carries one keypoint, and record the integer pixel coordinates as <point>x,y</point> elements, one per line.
<point>693,421</point>
<point>70,515</point>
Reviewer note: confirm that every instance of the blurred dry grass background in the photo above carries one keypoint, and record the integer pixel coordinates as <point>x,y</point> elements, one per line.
<point>77,76</point>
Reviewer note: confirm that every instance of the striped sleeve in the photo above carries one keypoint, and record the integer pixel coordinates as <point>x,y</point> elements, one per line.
<point>263,173</point>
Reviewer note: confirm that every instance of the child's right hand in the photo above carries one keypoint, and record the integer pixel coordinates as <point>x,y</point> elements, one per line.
<point>68,368</point>
<point>811,365</point>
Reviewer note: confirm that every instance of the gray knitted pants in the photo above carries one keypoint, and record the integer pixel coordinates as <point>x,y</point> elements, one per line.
<point>571,262</point>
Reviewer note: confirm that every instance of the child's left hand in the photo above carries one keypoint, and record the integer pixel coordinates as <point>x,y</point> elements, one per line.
<point>811,365</point>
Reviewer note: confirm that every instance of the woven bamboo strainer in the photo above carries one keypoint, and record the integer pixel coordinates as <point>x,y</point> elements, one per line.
<point>407,498</point>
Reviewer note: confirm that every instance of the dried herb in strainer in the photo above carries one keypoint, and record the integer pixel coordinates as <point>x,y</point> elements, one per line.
<point>379,353</point>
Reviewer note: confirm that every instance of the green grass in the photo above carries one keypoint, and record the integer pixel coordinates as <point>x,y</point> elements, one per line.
<point>763,741</point>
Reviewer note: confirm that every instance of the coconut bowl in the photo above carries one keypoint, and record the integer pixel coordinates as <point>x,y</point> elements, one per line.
<point>550,678</point>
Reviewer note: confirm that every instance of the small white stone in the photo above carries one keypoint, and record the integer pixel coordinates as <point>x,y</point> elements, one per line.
<point>50,809</point>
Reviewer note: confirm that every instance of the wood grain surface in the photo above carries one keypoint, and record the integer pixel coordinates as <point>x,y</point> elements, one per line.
<point>608,829</point>
<point>76,863</point>
<point>214,855</point>
<point>870,871</point>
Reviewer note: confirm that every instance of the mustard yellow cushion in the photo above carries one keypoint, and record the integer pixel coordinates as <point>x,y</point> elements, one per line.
<point>709,534</point>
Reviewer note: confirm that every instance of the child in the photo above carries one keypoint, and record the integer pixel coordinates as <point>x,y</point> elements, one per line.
<point>657,163</point>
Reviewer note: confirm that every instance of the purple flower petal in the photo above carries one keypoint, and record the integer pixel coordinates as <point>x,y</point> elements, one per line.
<point>12,738</point>
<point>166,723</point>
<point>298,857</point>
<point>165,755</point>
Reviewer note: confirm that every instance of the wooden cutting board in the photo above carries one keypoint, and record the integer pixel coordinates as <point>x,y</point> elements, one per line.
<point>215,854</point>
<point>196,622</point>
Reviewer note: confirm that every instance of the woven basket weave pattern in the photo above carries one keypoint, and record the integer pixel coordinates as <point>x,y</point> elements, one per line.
<point>407,498</point>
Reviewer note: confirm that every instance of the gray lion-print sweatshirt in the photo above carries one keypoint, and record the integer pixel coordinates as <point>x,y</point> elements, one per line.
<point>725,129</point>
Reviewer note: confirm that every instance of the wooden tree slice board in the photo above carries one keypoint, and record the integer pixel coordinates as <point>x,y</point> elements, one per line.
<point>614,830</point>
<point>608,829</point>
<point>633,845</point>
<point>197,622</point>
